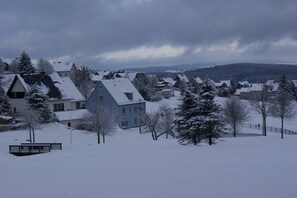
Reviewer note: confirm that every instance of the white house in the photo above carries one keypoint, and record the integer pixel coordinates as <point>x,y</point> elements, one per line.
<point>65,69</point>
<point>62,93</point>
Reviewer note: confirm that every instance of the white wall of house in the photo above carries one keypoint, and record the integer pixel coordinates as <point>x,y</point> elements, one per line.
<point>18,87</point>
<point>18,105</point>
<point>71,123</point>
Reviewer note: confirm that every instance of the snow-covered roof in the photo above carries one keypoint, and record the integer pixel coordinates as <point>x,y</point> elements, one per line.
<point>62,67</point>
<point>118,87</point>
<point>169,80</point>
<point>295,82</point>
<point>71,115</point>
<point>254,87</point>
<point>131,75</point>
<point>6,81</point>
<point>105,72</point>
<point>275,86</point>
<point>244,82</point>
<point>96,77</point>
<point>66,87</point>
<point>198,80</point>
<point>183,77</point>
<point>269,82</point>
<point>120,75</point>
<point>44,83</point>
<point>226,82</point>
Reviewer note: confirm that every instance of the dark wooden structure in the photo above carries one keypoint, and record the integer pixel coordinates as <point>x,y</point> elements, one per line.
<point>33,148</point>
<point>53,146</point>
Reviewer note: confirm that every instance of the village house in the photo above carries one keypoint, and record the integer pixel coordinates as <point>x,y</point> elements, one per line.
<point>65,69</point>
<point>181,80</point>
<point>165,86</point>
<point>62,93</point>
<point>246,93</point>
<point>121,96</point>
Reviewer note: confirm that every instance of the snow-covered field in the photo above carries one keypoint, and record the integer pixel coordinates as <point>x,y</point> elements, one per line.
<point>133,165</point>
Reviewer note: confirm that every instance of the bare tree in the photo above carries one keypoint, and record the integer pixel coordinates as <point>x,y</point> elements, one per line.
<point>167,119</point>
<point>31,118</point>
<point>101,121</point>
<point>44,66</point>
<point>283,108</point>
<point>152,124</point>
<point>14,65</point>
<point>85,84</point>
<point>235,112</point>
<point>262,104</point>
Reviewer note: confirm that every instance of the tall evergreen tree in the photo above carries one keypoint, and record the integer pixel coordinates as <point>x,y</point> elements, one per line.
<point>211,119</point>
<point>25,65</point>
<point>188,124</point>
<point>39,102</point>
<point>5,107</point>
<point>284,85</point>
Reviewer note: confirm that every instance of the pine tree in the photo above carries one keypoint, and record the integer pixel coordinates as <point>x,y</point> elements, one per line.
<point>5,107</point>
<point>188,124</point>
<point>284,85</point>
<point>25,65</point>
<point>39,101</point>
<point>211,120</point>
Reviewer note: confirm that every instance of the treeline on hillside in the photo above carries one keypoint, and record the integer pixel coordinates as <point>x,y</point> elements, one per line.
<point>252,72</point>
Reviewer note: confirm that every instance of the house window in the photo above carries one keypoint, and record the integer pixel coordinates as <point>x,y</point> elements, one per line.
<point>124,124</point>
<point>77,105</point>
<point>135,120</point>
<point>135,110</point>
<point>16,94</point>
<point>101,98</point>
<point>59,107</point>
<point>129,95</point>
<point>130,109</point>
<point>124,111</point>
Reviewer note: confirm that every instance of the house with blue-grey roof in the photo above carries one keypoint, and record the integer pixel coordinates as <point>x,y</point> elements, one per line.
<point>121,96</point>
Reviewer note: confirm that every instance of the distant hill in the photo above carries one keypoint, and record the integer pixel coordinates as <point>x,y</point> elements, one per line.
<point>254,72</point>
<point>168,69</point>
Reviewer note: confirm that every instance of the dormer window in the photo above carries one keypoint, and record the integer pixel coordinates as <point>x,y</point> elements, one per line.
<point>129,95</point>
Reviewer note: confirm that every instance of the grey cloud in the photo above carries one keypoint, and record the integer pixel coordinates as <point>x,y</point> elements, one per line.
<point>83,29</point>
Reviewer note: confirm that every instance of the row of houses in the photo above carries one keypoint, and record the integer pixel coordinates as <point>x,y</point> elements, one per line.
<point>67,104</point>
<point>113,89</point>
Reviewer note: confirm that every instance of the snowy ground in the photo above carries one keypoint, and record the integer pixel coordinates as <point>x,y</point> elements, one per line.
<point>132,165</point>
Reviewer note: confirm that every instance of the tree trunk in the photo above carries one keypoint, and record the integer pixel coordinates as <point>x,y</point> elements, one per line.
<point>282,129</point>
<point>103,138</point>
<point>167,135</point>
<point>234,129</point>
<point>194,140</point>
<point>98,138</point>
<point>264,126</point>
<point>33,133</point>
<point>30,135</point>
<point>209,140</point>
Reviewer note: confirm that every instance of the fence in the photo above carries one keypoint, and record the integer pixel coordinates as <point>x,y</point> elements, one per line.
<point>268,128</point>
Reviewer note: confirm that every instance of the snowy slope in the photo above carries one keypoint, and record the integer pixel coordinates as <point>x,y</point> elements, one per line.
<point>132,165</point>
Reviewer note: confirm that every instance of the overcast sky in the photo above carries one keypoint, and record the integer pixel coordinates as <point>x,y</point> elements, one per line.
<point>124,33</point>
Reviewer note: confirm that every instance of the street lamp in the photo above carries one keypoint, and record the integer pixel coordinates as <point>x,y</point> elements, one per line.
<point>139,115</point>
